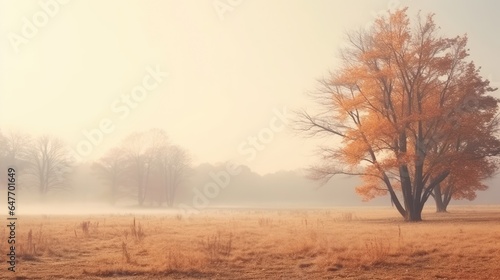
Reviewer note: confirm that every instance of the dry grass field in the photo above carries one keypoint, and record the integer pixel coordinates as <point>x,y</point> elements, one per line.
<point>247,244</point>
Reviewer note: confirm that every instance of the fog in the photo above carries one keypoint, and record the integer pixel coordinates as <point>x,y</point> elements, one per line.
<point>220,81</point>
<point>247,190</point>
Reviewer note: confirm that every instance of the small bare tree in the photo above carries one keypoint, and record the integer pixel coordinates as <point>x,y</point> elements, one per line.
<point>14,146</point>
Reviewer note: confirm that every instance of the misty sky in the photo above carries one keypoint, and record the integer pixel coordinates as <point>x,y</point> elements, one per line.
<point>231,74</point>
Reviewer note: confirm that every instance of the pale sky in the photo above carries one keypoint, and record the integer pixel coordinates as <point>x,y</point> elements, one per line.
<point>228,71</point>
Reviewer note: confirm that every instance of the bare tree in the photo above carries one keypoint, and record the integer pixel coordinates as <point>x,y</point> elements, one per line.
<point>111,169</point>
<point>173,163</point>
<point>15,148</point>
<point>48,163</point>
<point>140,150</point>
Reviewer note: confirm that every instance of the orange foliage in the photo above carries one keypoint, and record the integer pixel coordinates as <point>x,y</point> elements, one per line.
<point>412,112</point>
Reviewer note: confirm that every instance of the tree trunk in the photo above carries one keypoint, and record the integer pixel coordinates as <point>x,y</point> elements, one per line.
<point>413,214</point>
<point>438,198</point>
<point>140,195</point>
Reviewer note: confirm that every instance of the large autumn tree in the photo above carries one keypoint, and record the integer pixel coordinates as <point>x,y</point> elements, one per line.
<point>406,106</point>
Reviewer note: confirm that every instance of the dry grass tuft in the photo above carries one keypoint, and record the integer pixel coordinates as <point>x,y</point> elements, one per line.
<point>137,232</point>
<point>347,216</point>
<point>125,255</point>
<point>85,225</point>
<point>87,228</point>
<point>216,246</point>
<point>36,244</point>
<point>28,250</point>
<point>377,250</point>
<point>179,261</point>
<point>265,222</point>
